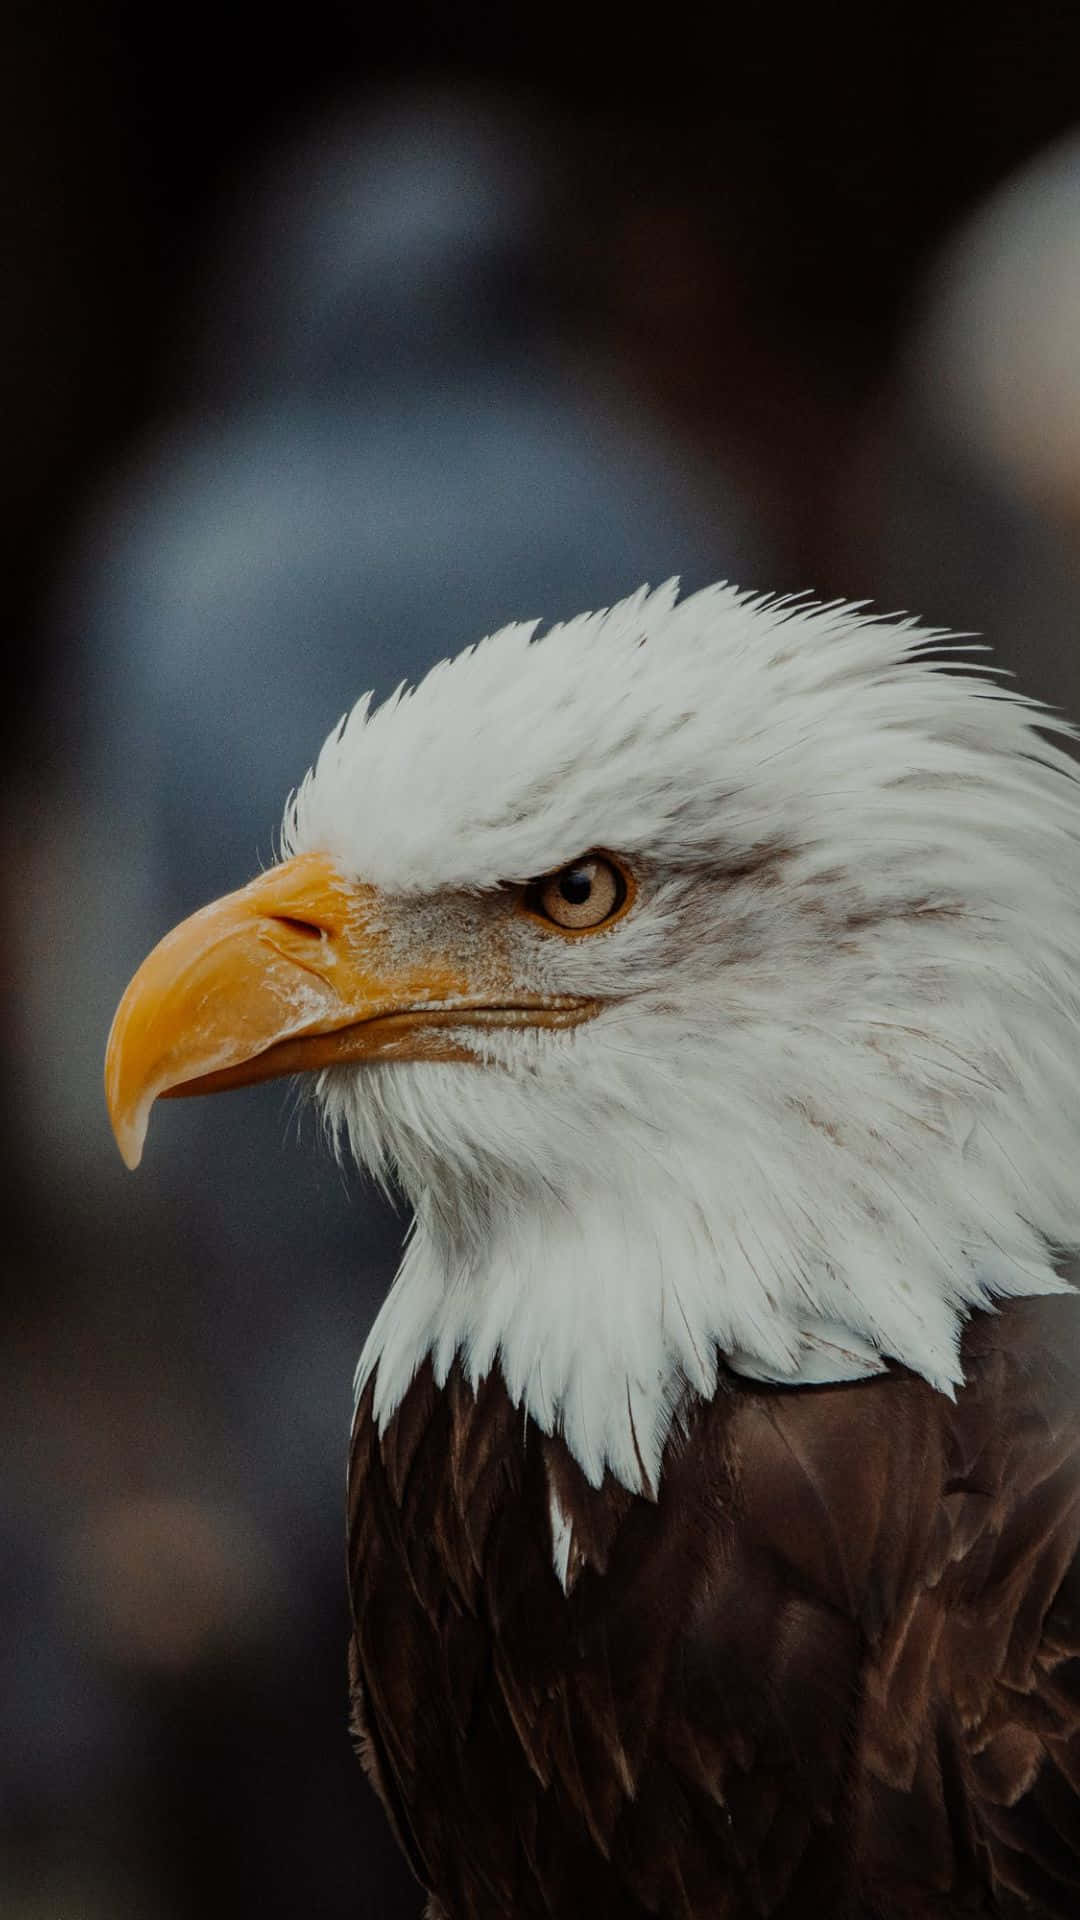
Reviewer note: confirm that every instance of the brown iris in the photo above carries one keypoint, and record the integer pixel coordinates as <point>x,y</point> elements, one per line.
<point>583,897</point>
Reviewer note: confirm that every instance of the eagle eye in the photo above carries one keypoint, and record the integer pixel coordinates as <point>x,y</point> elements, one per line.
<point>580,898</point>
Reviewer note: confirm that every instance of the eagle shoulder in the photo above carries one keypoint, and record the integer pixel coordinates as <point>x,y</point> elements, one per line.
<point>835,1663</point>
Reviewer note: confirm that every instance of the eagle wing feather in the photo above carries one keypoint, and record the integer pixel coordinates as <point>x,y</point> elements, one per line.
<point>834,1666</point>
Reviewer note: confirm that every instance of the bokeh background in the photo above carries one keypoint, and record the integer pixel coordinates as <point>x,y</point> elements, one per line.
<point>328,343</point>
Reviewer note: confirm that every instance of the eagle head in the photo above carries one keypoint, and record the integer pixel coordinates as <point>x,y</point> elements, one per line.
<point>706,974</point>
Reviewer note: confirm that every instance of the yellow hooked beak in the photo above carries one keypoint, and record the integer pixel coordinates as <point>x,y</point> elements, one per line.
<point>298,970</point>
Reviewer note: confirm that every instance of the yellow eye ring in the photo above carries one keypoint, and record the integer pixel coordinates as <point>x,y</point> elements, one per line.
<point>586,896</point>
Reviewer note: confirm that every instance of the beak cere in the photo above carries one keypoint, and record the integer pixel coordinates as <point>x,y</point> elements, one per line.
<point>297,971</point>
<point>292,973</point>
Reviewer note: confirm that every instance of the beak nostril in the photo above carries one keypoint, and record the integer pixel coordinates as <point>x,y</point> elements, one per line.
<point>306,927</point>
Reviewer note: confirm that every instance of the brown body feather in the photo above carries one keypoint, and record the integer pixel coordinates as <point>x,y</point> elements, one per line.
<point>831,1673</point>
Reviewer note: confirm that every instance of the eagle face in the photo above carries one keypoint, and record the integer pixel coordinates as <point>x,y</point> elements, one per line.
<point>706,974</point>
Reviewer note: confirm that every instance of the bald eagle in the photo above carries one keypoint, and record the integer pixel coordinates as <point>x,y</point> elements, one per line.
<point>707,975</point>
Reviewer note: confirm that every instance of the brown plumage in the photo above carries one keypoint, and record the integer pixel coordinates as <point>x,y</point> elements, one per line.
<point>832,1670</point>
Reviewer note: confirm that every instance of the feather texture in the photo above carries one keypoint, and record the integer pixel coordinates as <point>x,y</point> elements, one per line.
<point>830,1670</point>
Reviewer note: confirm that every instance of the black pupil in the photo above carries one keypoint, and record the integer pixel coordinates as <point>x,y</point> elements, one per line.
<point>575,885</point>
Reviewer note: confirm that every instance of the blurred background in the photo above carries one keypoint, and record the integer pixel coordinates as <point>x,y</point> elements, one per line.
<point>328,344</point>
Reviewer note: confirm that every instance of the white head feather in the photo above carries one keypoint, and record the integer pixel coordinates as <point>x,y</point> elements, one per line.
<point>832,1104</point>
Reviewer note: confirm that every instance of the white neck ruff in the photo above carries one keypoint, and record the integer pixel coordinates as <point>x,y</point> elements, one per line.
<point>804,1245</point>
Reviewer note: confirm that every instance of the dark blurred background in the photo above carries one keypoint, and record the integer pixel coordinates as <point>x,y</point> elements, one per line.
<point>329,342</point>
